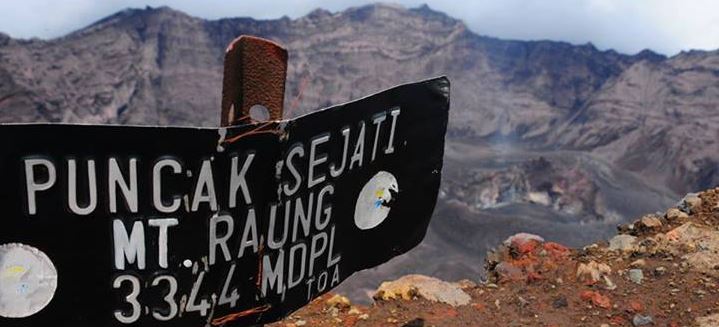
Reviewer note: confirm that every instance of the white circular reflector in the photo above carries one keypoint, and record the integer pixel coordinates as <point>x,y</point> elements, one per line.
<point>28,280</point>
<point>372,205</point>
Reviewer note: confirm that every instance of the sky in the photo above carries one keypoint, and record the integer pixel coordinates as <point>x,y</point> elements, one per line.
<point>628,26</point>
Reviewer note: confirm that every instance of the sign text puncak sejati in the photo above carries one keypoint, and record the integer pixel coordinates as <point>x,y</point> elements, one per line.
<point>174,226</point>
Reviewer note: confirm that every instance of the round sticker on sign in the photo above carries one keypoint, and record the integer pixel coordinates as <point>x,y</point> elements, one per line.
<point>28,280</point>
<point>374,201</point>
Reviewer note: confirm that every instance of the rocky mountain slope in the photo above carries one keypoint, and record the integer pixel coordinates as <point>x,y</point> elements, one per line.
<point>660,270</point>
<point>161,66</point>
<point>619,134</point>
<point>657,118</point>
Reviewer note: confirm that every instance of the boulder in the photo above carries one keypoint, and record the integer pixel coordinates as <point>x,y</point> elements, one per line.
<point>593,271</point>
<point>650,222</point>
<point>339,302</point>
<point>691,203</point>
<point>432,289</point>
<point>699,246</point>
<point>676,214</point>
<point>623,242</point>
<point>522,238</point>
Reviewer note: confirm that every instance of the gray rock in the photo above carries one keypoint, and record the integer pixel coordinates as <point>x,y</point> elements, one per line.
<point>623,242</point>
<point>674,214</point>
<point>522,238</point>
<point>640,320</point>
<point>560,302</point>
<point>636,275</point>
<point>651,222</point>
<point>690,203</point>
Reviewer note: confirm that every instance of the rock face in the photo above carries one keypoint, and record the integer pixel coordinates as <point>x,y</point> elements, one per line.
<point>335,57</point>
<point>161,66</point>
<point>649,117</point>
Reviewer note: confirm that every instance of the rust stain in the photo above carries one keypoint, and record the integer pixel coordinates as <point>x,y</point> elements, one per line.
<point>234,316</point>
<point>255,74</point>
<point>260,253</point>
<point>264,128</point>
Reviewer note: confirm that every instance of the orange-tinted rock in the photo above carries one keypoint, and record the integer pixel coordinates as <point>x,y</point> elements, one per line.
<point>524,247</point>
<point>596,299</point>
<point>556,250</point>
<point>522,243</point>
<point>618,321</point>
<point>533,277</point>
<point>350,321</point>
<point>635,306</point>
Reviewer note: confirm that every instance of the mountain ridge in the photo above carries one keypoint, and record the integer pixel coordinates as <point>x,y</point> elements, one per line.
<point>423,9</point>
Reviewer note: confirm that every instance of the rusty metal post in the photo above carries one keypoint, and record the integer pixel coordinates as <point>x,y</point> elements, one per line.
<point>255,74</point>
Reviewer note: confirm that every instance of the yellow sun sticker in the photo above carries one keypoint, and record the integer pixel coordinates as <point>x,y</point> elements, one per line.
<point>13,271</point>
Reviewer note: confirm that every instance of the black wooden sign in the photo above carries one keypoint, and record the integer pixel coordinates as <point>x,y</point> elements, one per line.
<point>166,226</point>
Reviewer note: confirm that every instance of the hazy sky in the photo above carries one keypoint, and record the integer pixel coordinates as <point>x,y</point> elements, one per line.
<point>628,26</point>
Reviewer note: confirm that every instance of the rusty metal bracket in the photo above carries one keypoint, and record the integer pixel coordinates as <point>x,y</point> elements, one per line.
<point>255,74</point>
